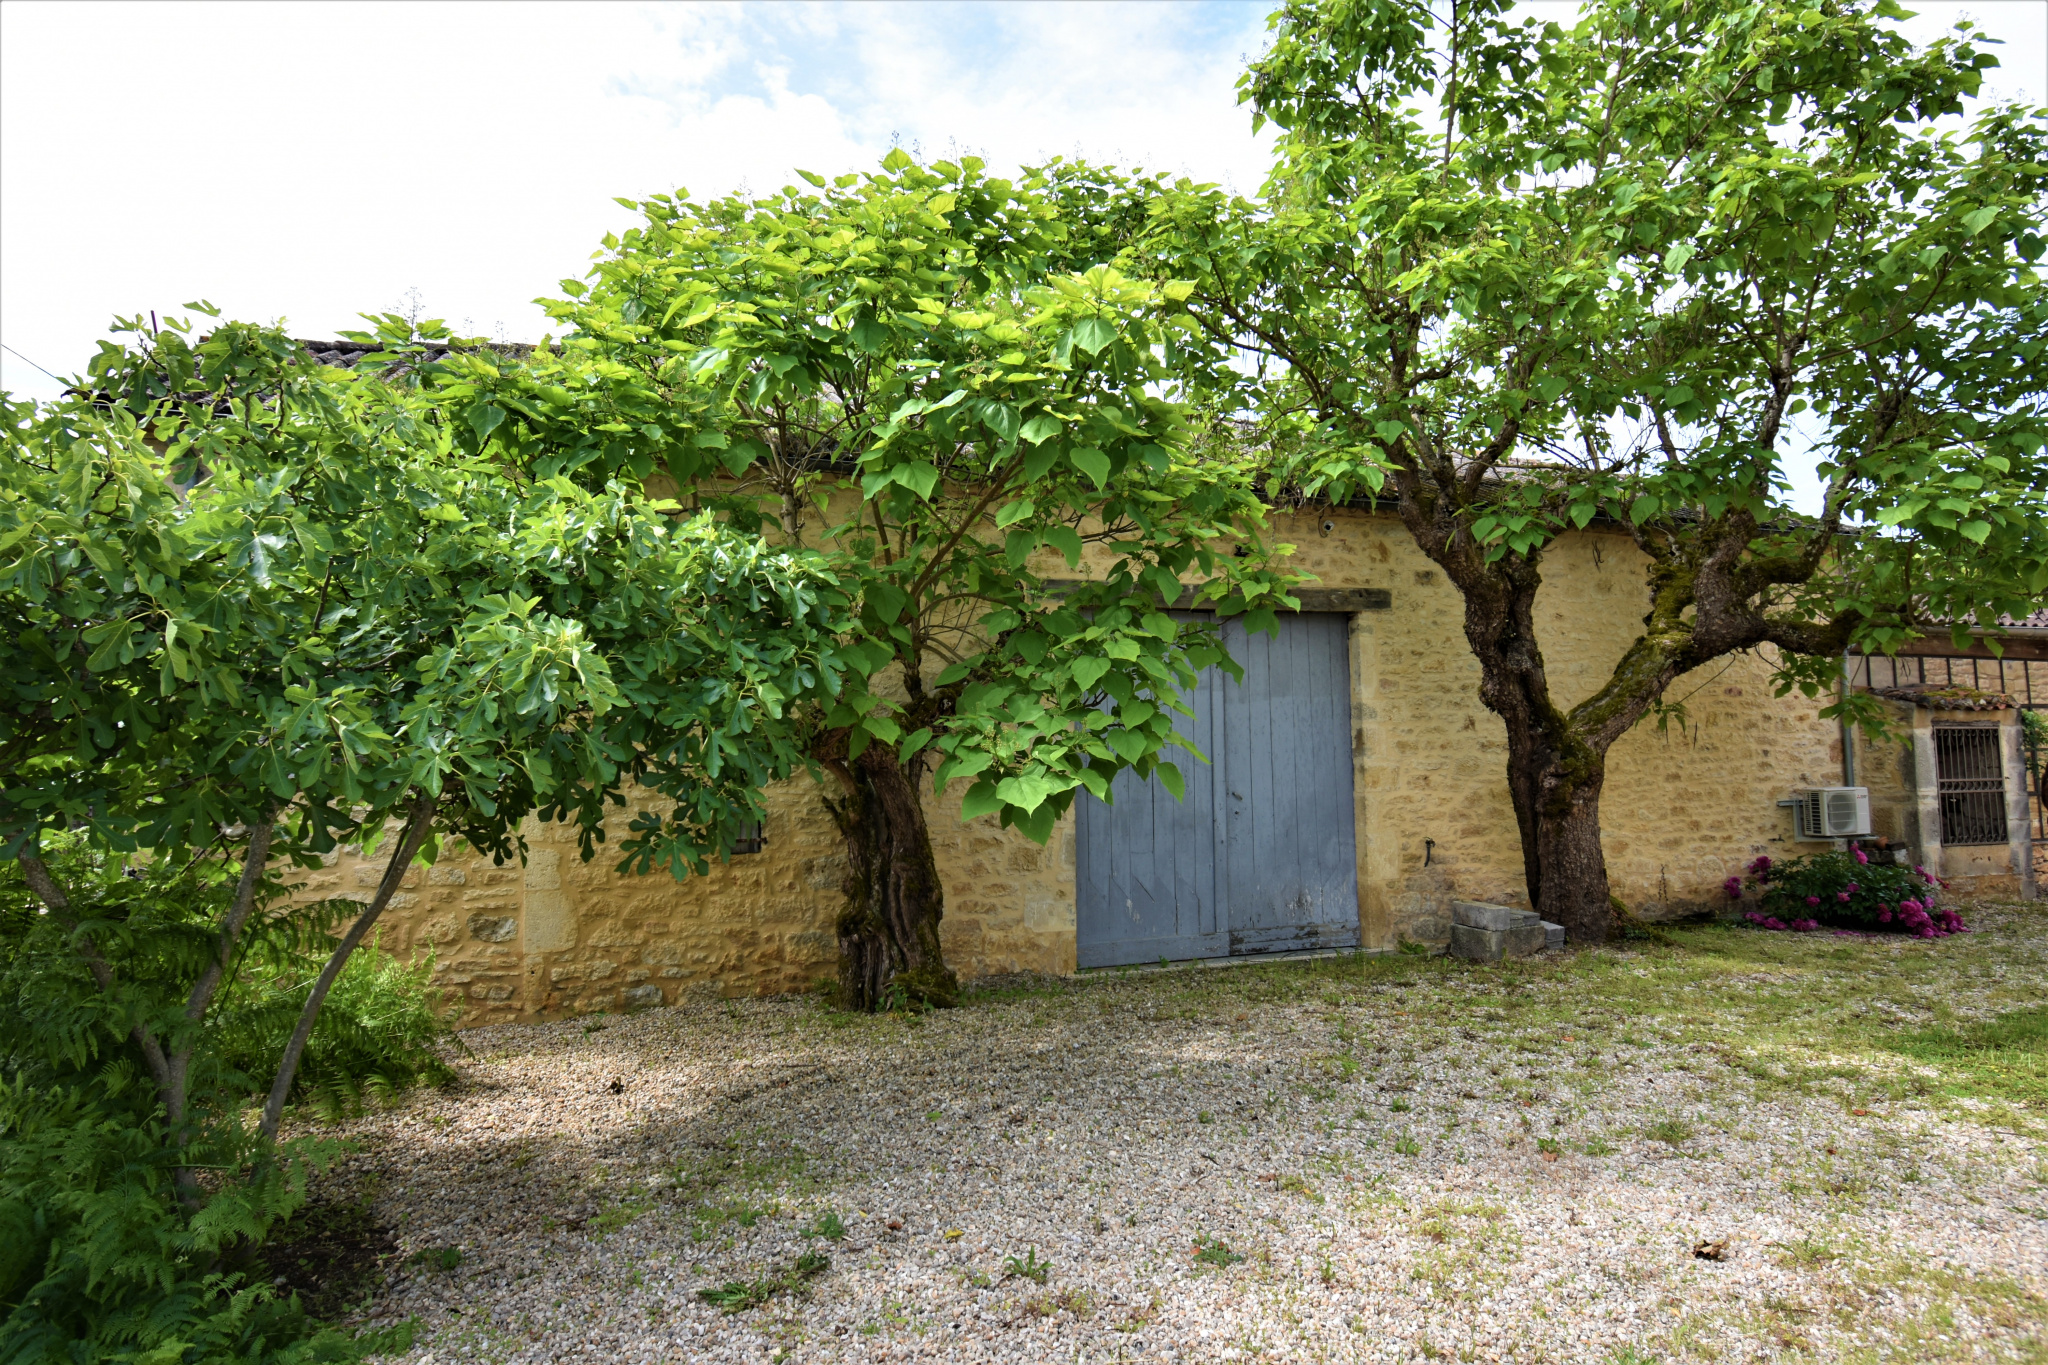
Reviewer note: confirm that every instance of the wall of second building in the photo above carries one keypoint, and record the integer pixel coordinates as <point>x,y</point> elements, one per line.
<point>1902,773</point>
<point>1684,807</point>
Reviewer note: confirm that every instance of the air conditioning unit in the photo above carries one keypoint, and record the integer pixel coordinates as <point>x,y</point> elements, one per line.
<point>1833,812</point>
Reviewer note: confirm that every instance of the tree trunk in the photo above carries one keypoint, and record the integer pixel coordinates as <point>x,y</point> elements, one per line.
<point>1554,775</point>
<point>1573,887</point>
<point>1556,793</point>
<point>889,929</point>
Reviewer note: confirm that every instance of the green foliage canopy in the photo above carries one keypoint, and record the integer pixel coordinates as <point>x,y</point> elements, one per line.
<point>257,606</point>
<point>1629,268</point>
<point>346,613</point>
<point>936,371</point>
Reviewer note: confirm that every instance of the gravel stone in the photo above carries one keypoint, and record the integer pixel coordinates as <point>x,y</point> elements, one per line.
<point>1273,1162</point>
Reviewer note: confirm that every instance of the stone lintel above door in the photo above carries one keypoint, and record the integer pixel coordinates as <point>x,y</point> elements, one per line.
<point>1311,599</point>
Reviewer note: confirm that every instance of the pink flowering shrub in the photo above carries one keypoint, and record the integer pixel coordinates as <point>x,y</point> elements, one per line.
<point>1845,890</point>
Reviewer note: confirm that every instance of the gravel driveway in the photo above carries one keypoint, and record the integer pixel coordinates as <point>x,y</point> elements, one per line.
<point>1391,1158</point>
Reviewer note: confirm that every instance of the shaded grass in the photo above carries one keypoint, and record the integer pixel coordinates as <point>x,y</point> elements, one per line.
<point>1858,1018</point>
<point>1957,1025</point>
<point>1726,1017</point>
<point>1721,1015</point>
<point>742,1180</point>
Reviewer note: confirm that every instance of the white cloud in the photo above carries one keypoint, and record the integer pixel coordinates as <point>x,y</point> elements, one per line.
<point>312,161</point>
<point>315,161</point>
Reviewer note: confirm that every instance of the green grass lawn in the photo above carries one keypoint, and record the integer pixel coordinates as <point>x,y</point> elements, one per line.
<point>1960,1022</point>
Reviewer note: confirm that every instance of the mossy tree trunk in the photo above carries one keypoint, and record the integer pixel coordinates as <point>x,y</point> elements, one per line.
<point>1706,598</point>
<point>889,951</point>
<point>1554,775</point>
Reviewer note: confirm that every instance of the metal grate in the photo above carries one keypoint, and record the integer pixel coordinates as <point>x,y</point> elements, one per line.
<point>1970,763</point>
<point>753,837</point>
<point>2037,784</point>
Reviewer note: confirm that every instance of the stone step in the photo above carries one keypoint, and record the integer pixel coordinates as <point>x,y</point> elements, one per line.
<point>1488,945</point>
<point>1487,933</point>
<point>1494,918</point>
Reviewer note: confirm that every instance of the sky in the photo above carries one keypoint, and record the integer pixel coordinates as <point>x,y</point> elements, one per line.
<point>310,162</point>
<point>313,161</point>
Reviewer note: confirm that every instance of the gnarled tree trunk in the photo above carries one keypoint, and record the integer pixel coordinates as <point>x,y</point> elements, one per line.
<point>889,928</point>
<point>1572,887</point>
<point>1705,603</point>
<point>1554,775</point>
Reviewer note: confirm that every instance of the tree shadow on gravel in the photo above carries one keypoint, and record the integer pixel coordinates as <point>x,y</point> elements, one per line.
<point>334,1254</point>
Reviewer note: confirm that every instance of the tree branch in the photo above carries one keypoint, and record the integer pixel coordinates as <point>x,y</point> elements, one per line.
<point>52,895</point>
<point>255,861</point>
<point>419,824</point>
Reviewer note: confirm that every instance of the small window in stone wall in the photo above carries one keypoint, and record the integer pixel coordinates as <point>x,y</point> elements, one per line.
<point>1970,764</point>
<point>753,837</point>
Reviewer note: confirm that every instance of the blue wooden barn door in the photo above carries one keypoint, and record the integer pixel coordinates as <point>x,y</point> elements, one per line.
<point>1260,857</point>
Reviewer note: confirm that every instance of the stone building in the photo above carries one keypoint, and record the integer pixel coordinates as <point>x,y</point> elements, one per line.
<point>1391,802</point>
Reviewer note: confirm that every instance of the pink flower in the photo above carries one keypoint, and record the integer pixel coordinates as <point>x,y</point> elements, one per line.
<point>1760,866</point>
<point>1857,849</point>
<point>1733,886</point>
<point>1813,900</point>
<point>1842,896</point>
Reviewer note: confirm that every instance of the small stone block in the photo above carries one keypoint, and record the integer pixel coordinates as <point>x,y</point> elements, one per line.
<point>1524,939</point>
<point>1522,919</point>
<point>1553,935</point>
<point>1477,945</point>
<point>1479,915</point>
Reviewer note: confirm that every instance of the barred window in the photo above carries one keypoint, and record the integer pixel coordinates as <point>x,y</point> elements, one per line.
<point>1970,764</point>
<point>753,837</point>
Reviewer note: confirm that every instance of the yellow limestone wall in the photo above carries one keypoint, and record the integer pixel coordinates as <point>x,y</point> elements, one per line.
<point>1683,809</point>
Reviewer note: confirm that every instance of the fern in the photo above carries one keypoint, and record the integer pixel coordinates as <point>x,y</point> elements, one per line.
<point>101,1256</point>
<point>378,1035</point>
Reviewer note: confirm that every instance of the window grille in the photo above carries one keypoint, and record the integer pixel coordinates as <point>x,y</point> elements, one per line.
<point>752,838</point>
<point>2036,754</point>
<point>1970,765</point>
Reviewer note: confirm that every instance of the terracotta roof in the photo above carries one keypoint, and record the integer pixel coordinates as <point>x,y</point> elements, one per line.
<point>347,353</point>
<point>1938,698</point>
